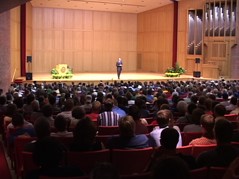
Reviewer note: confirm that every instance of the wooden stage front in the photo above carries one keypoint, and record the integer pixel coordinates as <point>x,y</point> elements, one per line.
<point>110,77</point>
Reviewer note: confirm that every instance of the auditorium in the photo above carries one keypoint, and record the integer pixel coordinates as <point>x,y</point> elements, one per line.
<point>123,89</point>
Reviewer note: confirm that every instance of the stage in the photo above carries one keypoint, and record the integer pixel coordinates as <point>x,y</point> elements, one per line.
<point>108,77</point>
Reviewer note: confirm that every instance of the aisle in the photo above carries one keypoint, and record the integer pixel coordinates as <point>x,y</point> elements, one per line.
<point>4,170</point>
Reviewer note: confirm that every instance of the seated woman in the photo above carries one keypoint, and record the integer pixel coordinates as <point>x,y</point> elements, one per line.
<point>127,137</point>
<point>85,136</point>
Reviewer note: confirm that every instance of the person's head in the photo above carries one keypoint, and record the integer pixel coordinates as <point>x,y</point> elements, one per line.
<point>134,112</point>
<point>223,131</point>
<point>108,104</point>
<point>17,120</point>
<point>196,115</point>
<point>219,110</point>
<point>104,171</point>
<point>164,117</point>
<point>10,109</point>
<point>51,99</point>
<point>78,112</point>
<point>60,123</point>
<point>42,127</point>
<point>207,122</point>
<point>169,138</point>
<point>84,132</point>
<point>127,126</point>
<point>182,107</point>
<point>48,152</point>
<point>191,107</point>
<point>3,100</point>
<point>170,167</point>
<point>69,104</point>
<point>96,107</point>
<point>233,100</point>
<point>47,110</point>
<point>35,105</point>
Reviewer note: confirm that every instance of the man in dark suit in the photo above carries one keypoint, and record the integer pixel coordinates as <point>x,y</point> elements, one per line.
<point>119,65</point>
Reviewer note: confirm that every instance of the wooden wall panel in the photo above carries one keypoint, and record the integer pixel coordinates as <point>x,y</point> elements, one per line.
<point>91,41</point>
<point>155,39</point>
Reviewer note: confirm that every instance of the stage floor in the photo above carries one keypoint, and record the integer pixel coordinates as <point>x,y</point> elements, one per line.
<point>110,77</point>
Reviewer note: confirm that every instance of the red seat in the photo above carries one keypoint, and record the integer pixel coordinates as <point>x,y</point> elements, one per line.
<point>198,149</point>
<point>199,173</point>
<point>28,163</point>
<point>187,137</point>
<point>19,145</point>
<point>185,150</point>
<point>108,130</point>
<point>231,117</point>
<point>132,160</point>
<point>104,139</point>
<point>87,160</point>
<point>216,172</point>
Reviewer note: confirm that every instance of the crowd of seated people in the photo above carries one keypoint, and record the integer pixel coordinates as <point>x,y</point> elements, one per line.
<point>77,110</point>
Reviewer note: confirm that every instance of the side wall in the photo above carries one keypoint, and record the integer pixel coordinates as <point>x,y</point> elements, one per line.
<point>88,41</point>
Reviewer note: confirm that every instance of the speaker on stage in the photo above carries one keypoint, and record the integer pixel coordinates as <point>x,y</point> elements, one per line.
<point>197,74</point>
<point>28,76</point>
<point>197,60</point>
<point>29,59</point>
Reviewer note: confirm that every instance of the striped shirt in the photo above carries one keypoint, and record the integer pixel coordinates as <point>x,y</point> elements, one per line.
<point>108,118</point>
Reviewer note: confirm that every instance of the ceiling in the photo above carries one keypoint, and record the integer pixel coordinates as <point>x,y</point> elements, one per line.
<point>124,6</point>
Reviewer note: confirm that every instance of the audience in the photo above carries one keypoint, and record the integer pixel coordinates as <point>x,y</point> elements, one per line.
<point>60,125</point>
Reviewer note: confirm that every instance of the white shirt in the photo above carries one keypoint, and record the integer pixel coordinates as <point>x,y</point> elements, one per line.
<point>155,136</point>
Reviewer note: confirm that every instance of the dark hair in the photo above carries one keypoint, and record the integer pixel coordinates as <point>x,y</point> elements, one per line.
<point>42,127</point>
<point>219,110</point>
<point>48,152</point>
<point>207,121</point>
<point>47,110</point>
<point>223,131</point>
<point>169,138</point>
<point>60,123</point>
<point>17,120</point>
<point>134,112</point>
<point>170,167</point>
<point>196,115</point>
<point>78,112</point>
<point>84,133</point>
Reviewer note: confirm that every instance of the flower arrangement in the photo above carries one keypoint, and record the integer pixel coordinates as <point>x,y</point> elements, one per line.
<point>62,72</point>
<point>175,71</point>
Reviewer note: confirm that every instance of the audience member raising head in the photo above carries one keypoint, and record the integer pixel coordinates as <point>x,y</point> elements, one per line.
<point>165,120</point>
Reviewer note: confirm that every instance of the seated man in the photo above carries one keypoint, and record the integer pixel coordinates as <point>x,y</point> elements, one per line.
<point>164,120</point>
<point>224,153</point>
<point>169,139</point>
<point>127,137</point>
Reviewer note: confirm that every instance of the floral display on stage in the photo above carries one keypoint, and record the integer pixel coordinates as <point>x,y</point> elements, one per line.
<point>62,71</point>
<point>175,71</point>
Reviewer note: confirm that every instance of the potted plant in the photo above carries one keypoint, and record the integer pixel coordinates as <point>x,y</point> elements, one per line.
<point>175,71</point>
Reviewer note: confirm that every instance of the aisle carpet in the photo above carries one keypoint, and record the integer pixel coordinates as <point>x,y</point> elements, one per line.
<point>4,170</point>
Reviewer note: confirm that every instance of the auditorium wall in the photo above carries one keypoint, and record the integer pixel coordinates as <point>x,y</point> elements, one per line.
<point>88,41</point>
<point>155,39</point>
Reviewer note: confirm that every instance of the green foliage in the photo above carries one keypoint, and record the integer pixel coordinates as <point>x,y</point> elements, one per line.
<point>55,74</point>
<point>175,71</point>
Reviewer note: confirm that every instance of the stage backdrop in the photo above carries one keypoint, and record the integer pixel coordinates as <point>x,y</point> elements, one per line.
<point>88,41</point>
